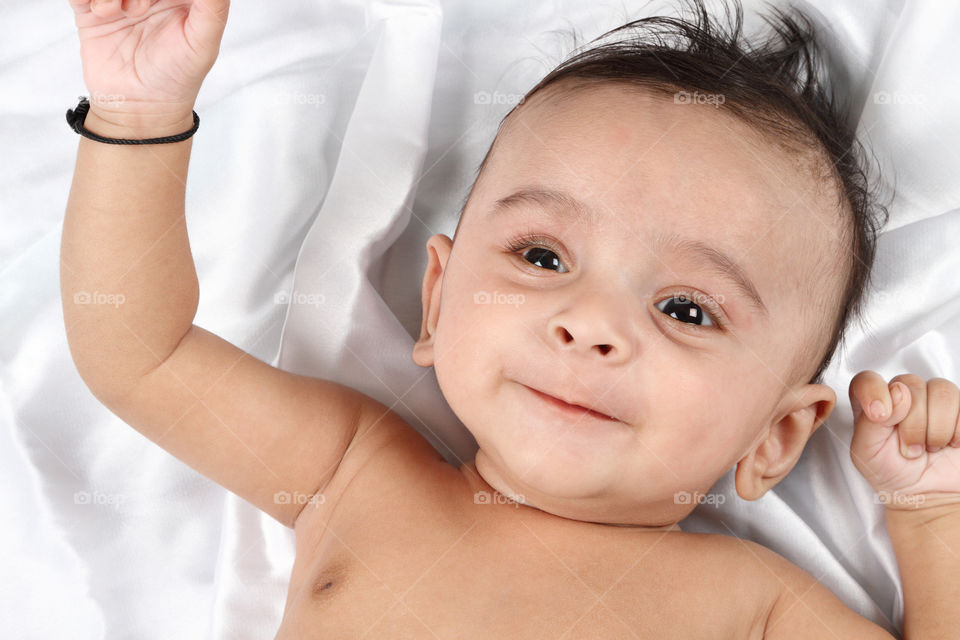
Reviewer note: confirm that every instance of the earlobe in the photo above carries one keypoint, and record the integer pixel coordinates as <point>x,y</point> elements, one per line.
<point>439,247</point>
<point>769,462</point>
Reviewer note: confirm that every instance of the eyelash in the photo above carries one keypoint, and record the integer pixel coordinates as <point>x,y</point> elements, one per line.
<point>527,241</point>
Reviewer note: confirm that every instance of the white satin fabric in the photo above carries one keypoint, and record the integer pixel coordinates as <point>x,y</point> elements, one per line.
<point>335,138</point>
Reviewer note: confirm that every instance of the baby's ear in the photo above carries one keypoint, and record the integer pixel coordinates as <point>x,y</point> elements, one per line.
<point>439,247</point>
<point>771,460</point>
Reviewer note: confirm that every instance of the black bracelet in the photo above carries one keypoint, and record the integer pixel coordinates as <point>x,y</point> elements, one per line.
<point>76,117</point>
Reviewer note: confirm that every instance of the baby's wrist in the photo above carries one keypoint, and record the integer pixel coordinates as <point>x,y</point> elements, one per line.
<point>137,126</point>
<point>922,511</point>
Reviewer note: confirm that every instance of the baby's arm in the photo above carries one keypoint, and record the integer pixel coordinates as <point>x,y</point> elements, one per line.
<point>130,291</point>
<point>920,490</point>
<point>921,494</point>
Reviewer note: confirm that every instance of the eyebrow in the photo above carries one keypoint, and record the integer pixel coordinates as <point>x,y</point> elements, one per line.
<point>564,205</point>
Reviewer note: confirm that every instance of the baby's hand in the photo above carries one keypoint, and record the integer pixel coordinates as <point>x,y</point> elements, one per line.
<point>906,439</point>
<point>147,58</point>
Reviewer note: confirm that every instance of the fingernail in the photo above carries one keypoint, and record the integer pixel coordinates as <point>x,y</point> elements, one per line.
<point>933,449</point>
<point>914,450</point>
<point>896,394</point>
<point>877,410</point>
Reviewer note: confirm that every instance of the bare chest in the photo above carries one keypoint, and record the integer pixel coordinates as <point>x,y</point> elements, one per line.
<point>415,563</point>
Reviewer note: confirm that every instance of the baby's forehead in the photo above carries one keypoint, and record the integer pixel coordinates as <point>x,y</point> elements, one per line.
<point>640,123</point>
<point>610,140</point>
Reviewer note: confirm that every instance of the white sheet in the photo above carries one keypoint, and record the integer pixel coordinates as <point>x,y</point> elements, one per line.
<point>350,131</point>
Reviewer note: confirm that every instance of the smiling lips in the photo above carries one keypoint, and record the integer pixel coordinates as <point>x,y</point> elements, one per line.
<point>573,409</point>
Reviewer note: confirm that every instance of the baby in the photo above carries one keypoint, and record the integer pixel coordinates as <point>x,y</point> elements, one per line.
<point>682,229</point>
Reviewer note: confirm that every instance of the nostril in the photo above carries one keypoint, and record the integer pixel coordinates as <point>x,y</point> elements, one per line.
<point>564,335</point>
<point>604,349</point>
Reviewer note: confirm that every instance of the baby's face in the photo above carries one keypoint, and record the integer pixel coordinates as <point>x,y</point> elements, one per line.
<point>610,303</point>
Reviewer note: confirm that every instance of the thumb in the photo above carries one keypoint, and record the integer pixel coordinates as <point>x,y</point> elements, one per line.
<point>873,421</point>
<point>205,24</point>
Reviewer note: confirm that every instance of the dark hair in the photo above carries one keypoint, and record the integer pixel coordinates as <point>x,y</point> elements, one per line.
<point>771,85</point>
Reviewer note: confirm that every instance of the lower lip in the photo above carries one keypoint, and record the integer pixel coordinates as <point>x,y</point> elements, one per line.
<point>570,409</point>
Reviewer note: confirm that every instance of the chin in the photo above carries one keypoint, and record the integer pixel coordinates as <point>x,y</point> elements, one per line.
<point>539,477</point>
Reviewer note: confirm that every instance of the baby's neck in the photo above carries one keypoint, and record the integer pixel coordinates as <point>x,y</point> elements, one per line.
<point>470,470</point>
<point>667,527</point>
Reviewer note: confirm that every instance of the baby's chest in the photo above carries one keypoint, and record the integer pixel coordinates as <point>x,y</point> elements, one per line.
<point>416,571</point>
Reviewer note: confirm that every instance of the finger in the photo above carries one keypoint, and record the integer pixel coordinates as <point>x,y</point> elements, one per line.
<point>870,435</point>
<point>912,429</point>
<point>135,8</point>
<point>869,396</point>
<point>943,402</point>
<point>105,8</point>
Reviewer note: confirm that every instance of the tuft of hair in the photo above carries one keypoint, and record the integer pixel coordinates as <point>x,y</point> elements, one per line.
<point>772,83</point>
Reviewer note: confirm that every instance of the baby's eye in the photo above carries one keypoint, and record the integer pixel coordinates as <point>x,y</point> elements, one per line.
<point>544,258</point>
<point>685,310</point>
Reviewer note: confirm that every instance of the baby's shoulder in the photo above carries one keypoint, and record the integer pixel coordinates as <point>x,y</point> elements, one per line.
<point>388,462</point>
<point>726,567</point>
<point>743,566</point>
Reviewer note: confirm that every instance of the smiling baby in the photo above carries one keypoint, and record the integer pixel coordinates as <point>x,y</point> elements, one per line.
<point>654,266</point>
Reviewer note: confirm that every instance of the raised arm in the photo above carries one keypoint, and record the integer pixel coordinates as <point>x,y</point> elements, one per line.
<point>909,451</point>
<point>129,287</point>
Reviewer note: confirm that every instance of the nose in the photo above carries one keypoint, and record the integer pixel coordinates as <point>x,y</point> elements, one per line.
<point>594,325</point>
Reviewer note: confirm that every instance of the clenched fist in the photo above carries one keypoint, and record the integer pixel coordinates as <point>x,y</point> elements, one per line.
<point>906,439</point>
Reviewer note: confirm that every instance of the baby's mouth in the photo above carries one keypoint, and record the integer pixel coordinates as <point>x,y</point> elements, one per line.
<point>577,409</point>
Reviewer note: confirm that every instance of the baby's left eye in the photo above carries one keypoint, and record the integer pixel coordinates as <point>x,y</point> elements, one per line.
<point>685,310</point>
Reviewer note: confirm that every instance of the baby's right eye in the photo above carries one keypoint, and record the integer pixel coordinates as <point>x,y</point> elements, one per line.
<point>541,251</point>
<point>544,258</point>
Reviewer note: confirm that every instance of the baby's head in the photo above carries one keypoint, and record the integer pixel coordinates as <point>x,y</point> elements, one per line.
<point>673,231</point>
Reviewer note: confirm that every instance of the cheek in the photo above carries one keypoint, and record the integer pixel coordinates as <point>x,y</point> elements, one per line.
<point>702,420</point>
<point>465,351</point>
